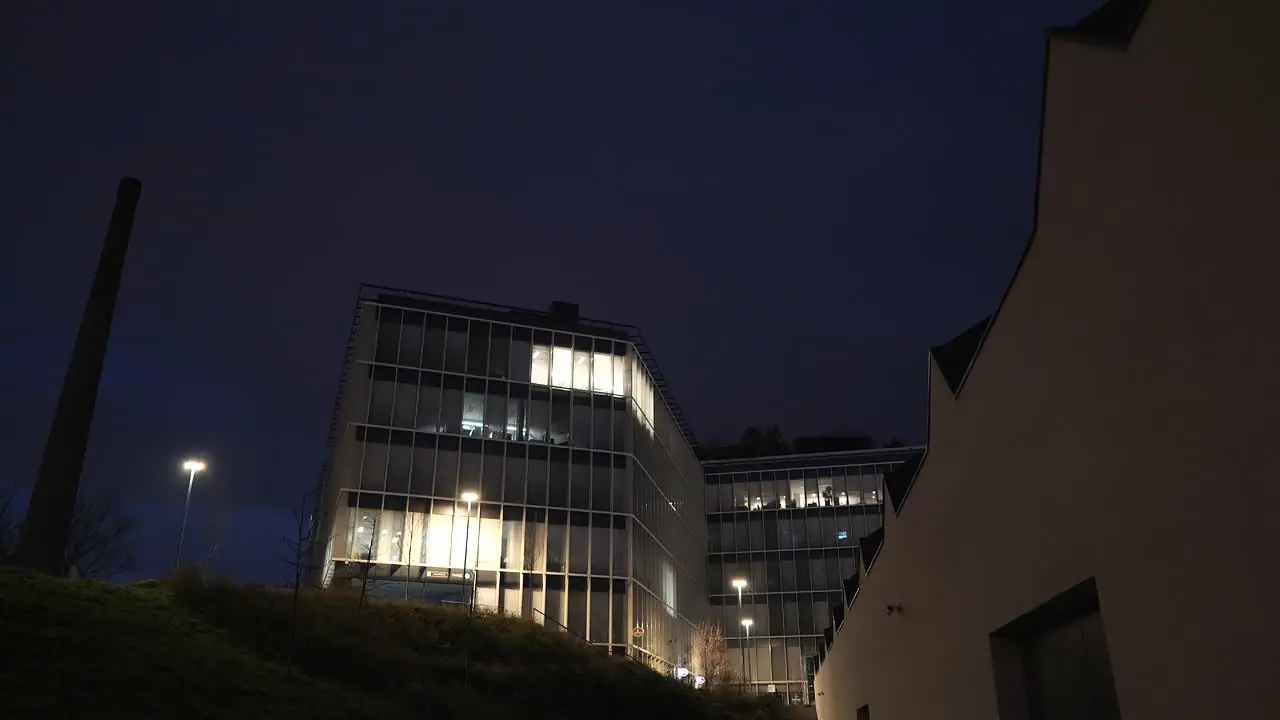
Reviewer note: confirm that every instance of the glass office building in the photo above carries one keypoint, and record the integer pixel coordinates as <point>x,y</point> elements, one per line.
<point>530,462</point>
<point>789,527</point>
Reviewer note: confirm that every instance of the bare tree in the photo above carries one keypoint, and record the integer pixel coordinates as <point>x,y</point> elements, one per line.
<point>299,549</point>
<point>708,655</point>
<point>366,567</point>
<point>101,541</point>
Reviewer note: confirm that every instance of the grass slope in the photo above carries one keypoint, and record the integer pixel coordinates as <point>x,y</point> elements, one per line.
<point>198,649</point>
<point>454,665</point>
<point>89,650</point>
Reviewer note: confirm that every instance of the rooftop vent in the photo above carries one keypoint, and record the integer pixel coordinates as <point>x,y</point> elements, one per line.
<point>565,310</point>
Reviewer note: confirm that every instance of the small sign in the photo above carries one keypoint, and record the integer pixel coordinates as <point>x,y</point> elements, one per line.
<point>637,632</point>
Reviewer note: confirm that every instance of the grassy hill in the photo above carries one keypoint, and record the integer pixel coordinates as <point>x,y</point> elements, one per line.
<point>86,650</point>
<point>197,649</point>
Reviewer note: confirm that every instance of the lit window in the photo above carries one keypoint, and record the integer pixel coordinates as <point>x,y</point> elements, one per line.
<point>602,373</point>
<point>619,375</point>
<point>642,395</point>
<point>473,414</point>
<point>363,541</point>
<point>826,492</point>
<point>561,367</point>
<point>581,370</point>
<point>540,370</point>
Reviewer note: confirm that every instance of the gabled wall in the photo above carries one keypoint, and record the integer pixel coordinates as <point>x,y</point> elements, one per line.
<point>1119,419</point>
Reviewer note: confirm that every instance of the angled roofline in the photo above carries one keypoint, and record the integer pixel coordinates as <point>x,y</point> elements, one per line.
<point>335,415</point>
<point>990,320</point>
<point>1111,25</point>
<point>1072,34</point>
<point>1123,14</point>
<point>370,292</point>
<point>961,348</point>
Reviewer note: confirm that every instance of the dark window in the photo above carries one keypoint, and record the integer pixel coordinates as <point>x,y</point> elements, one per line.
<point>517,413</point>
<point>411,339</point>
<point>521,355</point>
<point>428,410</point>
<point>455,346</point>
<point>557,545</point>
<point>451,405</point>
<point>446,479</point>
<point>539,415</point>
<point>491,471</point>
<point>388,343</point>
<point>580,480</point>
<point>514,475</point>
<point>478,348</point>
<point>601,477</point>
<point>580,425</point>
<point>559,418</point>
<point>1052,663</point>
<point>537,475</point>
<point>559,496</point>
<point>433,342</point>
<point>500,351</point>
<point>1069,672</point>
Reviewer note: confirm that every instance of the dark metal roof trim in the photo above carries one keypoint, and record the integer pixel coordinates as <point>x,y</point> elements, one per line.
<point>1111,26</point>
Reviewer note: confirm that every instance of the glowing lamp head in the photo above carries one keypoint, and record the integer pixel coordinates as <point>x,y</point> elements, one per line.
<point>738,583</point>
<point>747,622</point>
<point>193,466</point>
<point>469,497</point>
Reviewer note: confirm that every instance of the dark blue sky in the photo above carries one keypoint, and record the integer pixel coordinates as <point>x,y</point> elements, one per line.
<point>793,200</point>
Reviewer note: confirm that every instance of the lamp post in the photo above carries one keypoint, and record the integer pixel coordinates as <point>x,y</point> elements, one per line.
<point>740,584</point>
<point>468,497</point>
<point>192,467</point>
<point>746,627</point>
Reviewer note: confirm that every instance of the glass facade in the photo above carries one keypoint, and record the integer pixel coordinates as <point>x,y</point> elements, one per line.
<point>587,512</point>
<point>788,526</point>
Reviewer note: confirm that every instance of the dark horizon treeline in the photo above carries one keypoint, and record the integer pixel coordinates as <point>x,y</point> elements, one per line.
<point>757,442</point>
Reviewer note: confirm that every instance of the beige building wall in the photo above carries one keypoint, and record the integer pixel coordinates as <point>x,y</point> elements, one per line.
<point>1122,416</point>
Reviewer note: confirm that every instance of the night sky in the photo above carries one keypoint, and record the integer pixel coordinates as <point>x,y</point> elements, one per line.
<point>793,200</point>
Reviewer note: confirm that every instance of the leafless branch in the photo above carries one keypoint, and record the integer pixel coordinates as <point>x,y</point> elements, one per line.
<point>709,654</point>
<point>101,541</point>
<point>366,568</point>
<point>299,549</point>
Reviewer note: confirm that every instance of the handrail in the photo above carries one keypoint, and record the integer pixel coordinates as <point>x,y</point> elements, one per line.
<point>562,626</point>
<point>602,648</point>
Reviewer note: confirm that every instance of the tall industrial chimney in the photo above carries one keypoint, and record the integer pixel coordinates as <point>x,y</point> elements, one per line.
<point>43,543</point>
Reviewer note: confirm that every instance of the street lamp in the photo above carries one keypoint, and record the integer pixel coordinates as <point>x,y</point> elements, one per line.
<point>192,467</point>
<point>746,627</point>
<point>740,584</point>
<point>468,497</point>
